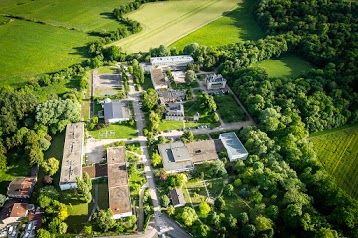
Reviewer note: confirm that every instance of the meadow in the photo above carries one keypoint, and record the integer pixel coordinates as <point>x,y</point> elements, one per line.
<point>29,49</point>
<point>176,19</point>
<point>82,15</point>
<point>337,152</point>
<point>284,66</point>
<point>236,26</point>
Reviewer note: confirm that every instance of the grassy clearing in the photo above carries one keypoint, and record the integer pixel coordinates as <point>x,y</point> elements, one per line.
<point>238,25</point>
<point>228,109</point>
<point>176,19</point>
<point>339,155</point>
<point>103,199</point>
<point>170,125</point>
<point>215,187</point>
<point>201,137</point>
<point>83,15</point>
<point>147,82</point>
<point>33,49</point>
<point>108,70</point>
<point>192,107</point>
<point>114,131</point>
<point>284,66</point>
<point>197,191</point>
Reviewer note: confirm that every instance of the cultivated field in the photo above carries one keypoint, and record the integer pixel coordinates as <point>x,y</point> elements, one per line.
<point>236,26</point>
<point>83,15</point>
<point>285,66</point>
<point>175,20</point>
<point>28,49</point>
<point>338,153</point>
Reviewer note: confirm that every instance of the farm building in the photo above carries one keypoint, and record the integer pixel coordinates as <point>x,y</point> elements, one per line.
<point>118,187</point>
<point>215,81</point>
<point>235,149</point>
<point>179,60</point>
<point>21,187</point>
<point>177,197</point>
<point>159,80</point>
<point>174,112</point>
<point>73,152</point>
<point>179,157</point>
<point>116,111</point>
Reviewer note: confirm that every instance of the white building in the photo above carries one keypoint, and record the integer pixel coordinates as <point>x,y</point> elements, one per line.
<point>215,81</point>
<point>116,111</point>
<point>235,149</point>
<point>73,152</point>
<point>179,60</point>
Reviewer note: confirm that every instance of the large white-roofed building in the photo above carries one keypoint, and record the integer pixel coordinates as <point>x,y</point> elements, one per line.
<point>235,149</point>
<point>178,60</point>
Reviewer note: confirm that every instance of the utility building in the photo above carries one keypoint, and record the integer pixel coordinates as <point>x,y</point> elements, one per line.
<point>235,149</point>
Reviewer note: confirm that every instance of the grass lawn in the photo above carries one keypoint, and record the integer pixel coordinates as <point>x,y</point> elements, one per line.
<point>170,125</point>
<point>82,15</point>
<point>235,205</point>
<point>181,86</point>
<point>32,49</point>
<point>108,70</point>
<point>114,131</point>
<point>238,25</point>
<point>285,66</point>
<point>201,137</point>
<point>228,109</point>
<point>16,167</point>
<point>176,19</point>
<point>337,152</point>
<point>204,167</point>
<point>197,191</point>
<point>215,187</point>
<point>103,199</point>
<point>134,147</point>
<point>147,82</point>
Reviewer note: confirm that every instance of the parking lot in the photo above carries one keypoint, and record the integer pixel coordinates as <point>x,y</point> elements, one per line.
<point>105,84</point>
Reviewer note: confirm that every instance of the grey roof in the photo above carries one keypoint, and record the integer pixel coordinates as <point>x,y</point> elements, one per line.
<point>71,166</point>
<point>205,150</point>
<point>175,109</point>
<point>172,60</point>
<point>215,78</point>
<point>232,143</point>
<point>115,110</point>
<point>172,96</point>
<point>177,197</point>
<point>175,157</point>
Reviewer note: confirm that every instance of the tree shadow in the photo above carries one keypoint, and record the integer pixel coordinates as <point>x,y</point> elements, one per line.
<point>108,15</point>
<point>243,19</point>
<point>81,50</point>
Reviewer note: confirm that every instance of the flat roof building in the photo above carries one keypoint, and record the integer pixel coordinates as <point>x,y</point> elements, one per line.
<point>179,157</point>
<point>178,60</point>
<point>118,187</point>
<point>235,149</point>
<point>158,79</point>
<point>73,152</point>
<point>116,111</point>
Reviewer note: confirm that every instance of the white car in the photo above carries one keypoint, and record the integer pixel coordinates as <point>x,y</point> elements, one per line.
<point>10,230</point>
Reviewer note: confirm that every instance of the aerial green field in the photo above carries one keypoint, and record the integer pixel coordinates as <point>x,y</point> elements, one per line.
<point>236,26</point>
<point>285,66</point>
<point>28,49</point>
<point>83,15</point>
<point>337,151</point>
<point>176,19</point>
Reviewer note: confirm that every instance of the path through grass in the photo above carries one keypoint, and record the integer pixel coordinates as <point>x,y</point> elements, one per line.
<point>338,153</point>
<point>166,22</point>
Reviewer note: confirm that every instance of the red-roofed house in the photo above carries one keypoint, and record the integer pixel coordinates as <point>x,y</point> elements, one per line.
<point>15,213</point>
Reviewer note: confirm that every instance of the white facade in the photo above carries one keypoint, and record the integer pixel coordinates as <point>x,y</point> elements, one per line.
<point>67,186</point>
<point>215,81</point>
<point>179,60</point>
<point>235,149</point>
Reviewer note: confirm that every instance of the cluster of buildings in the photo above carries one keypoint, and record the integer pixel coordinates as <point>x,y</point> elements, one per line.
<point>180,157</point>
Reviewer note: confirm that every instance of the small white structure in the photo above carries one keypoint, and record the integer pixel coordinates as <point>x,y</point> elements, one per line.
<point>174,112</point>
<point>215,81</point>
<point>179,60</point>
<point>159,80</point>
<point>116,111</point>
<point>235,149</point>
<point>196,116</point>
<point>73,152</point>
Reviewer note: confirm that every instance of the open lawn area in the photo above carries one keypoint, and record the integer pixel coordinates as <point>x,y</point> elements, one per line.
<point>175,20</point>
<point>337,152</point>
<point>192,107</point>
<point>108,70</point>
<point>215,186</point>
<point>103,199</point>
<point>170,125</point>
<point>201,137</point>
<point>114,131</point>
<point>82,15</point>
<point>147,82</point>
<point>32,49</point>
<point>285,66</point>
<point>197,191</point>
<point>228,109</point>
<point>236,26</point>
